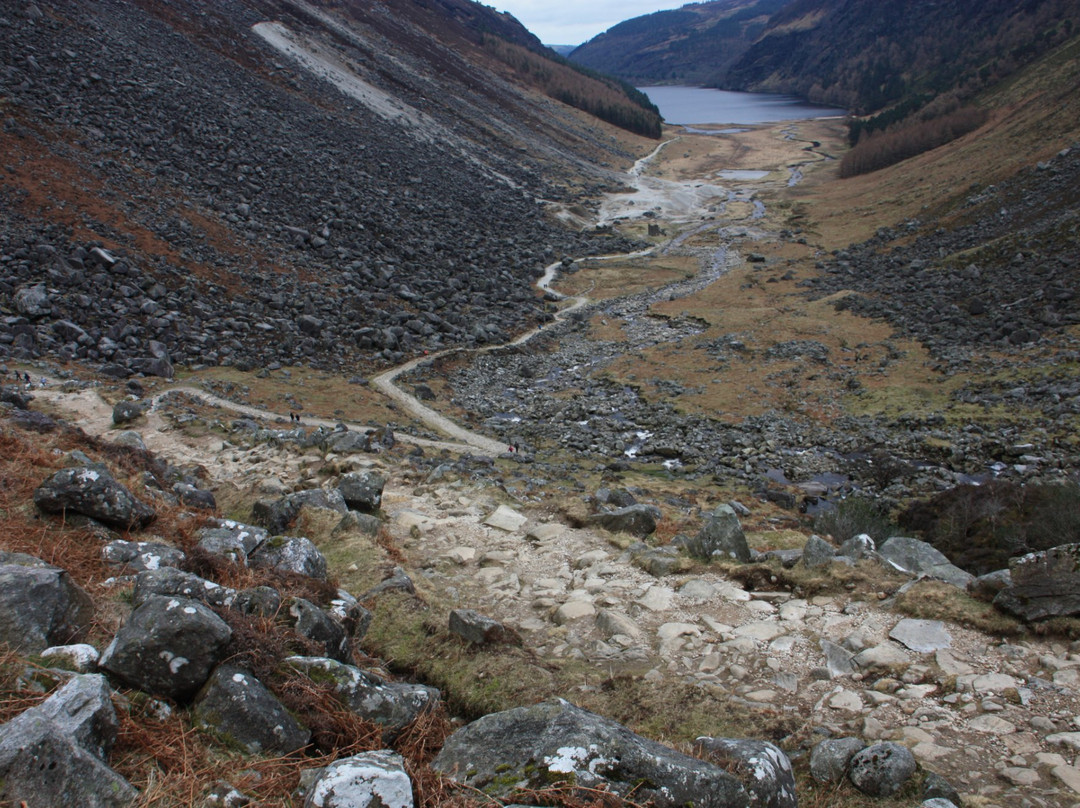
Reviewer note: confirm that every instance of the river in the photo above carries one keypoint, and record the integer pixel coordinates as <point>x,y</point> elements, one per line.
<point>698,105</point>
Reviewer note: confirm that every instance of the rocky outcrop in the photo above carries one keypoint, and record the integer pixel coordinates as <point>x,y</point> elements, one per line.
<point>370,779</point>
<point>555,741</point>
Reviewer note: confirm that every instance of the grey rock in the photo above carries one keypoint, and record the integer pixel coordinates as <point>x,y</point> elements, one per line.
<point>136,556</point>
<point>124,412</point>
<point>375,779</point>
<point>83,710</point>
<point>1044,585</point>
<point>261,601</point>
<point>391,705</point>
<point>43,765</point>
<point>33,301</point>
<point>838,660</point>
<point>354,522</point>
<point>936,787</point>
<point>721,536</point>
<point>362,491</point>
<point>238,708</point>
<point>635,520</point>
<point>398,581</point>
<point>817,552</point>
<point>938,802</point>
<point>94,493</point>
<point>131,439</point>
<point>347,441</point>
<point>829,759</point>
<point>986,587</point>
<point>231,540</point>
<point>921,636</point>
<point>171,581</point>
<point>168,647</point>
<point>40,606</point>
<point>314,624</point>
<point>658,561</point>
<point>290,554</point>
<point>278,516</point>
<point>858,547</point>
<point>480,629</point>
<point>919,558</point>
<point>556,741</point>
<point>882,769</point>
<point>764,769</point>
<point>195,497</point>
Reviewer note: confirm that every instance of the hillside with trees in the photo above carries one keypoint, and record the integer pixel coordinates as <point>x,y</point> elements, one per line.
<point>691,45</point>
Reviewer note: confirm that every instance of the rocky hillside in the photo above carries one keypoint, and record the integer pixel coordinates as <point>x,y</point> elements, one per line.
<point>691,45</point>
<point>255,182</point>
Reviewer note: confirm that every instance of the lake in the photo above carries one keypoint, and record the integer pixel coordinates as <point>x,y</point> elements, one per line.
<point>690,105</point>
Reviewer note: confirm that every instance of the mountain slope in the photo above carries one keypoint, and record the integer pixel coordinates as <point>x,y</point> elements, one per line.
<point>866,54</point>
<point>276,181</point>
<point>690,45</point>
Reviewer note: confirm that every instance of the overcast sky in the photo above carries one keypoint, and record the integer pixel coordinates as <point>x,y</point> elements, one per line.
<point>571,22</point>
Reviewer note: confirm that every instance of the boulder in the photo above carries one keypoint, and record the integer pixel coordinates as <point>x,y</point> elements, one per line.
<point>391,705</point>
<point>479,629</point>
<point>765,771</point>
<point>260,601</point>
<point>290,554</point>
<point>195,497</point>
<point>171,581</point>
<point>231,540</point>
<point>124,412</point>
<point>921,636</point>
<point>94,493</point>
<point>555,741</point>
<point>314,624</point>
<point>168,647</point>
<point>857,547</point>
<point>829,759</point>
<point>83,710</point>
<point>238,708</point>
<point>347,442</point>
<point>375,779</point>
<point>42,765</point>
<point>721,537</point>
<point>882,769</point>
<point>40,606</point>
<point>635,520</point>
<point>1043,585</point>
<point>79,657</point>
<point>817,552</point>
<point>362,491</point>
<point>136,556</point>
<point>919,558</point>
<point>33,301</point>
<point>278,516</point>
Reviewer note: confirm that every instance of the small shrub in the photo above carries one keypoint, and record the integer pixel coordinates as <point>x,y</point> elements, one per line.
<point>854,516</point>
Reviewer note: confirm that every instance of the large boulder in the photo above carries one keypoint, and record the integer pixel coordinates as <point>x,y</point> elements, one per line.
<point>882,769</point>
<point>290,554</point>
<point>829,759</point>
<point>720,537</point>
<point>921,559</point>
<point>1043,585</point>
<point>168,647</point>
<point>480,629</point>
<point>124,412</point>
<point>238,708</point>
<point>40,605</point>
<point>375,779</point>
<point>555,741</point>
<point>763,768</point>
<point>636,520</point>
<point>94,493</point>
<point>391,705</point>
<point>137,556</point>
<point>362,491</point>
<point>53,754</point>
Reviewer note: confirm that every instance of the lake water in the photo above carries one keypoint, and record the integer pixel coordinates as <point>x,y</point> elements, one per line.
<point>690,105</point>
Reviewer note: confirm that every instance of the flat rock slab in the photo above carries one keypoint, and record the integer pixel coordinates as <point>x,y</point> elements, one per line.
<point>505,518</point>
<point>922,636</point>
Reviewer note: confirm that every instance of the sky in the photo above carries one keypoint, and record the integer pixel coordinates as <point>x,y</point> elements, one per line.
<point>571,22</point>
